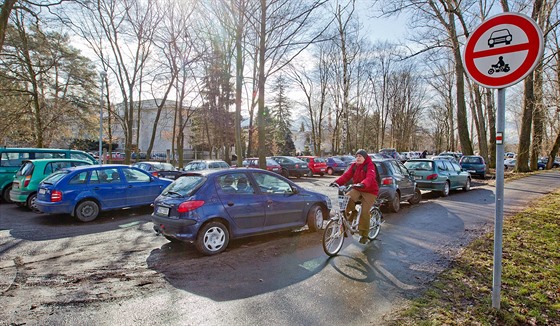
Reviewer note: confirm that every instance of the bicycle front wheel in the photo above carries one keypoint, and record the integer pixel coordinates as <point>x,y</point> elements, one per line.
<point>333,237</point>
<point>374,223</point>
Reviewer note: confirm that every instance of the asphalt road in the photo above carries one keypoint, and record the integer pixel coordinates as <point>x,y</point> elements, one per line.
<point>115,271</point>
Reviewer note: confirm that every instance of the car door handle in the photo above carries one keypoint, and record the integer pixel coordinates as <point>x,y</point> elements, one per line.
<point>129,186</point>
<point>269,202</point>
<point>96,188</point>
<point>230,203</point>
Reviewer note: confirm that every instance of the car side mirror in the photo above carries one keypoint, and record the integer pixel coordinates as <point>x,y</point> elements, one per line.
<point>295,190</point>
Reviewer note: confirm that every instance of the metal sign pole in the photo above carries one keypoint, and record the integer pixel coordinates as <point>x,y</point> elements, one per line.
<point>499,223</point>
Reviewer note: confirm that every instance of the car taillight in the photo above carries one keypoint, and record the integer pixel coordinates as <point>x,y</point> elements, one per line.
<point>431,177</point>
<point>297,166</point>
<point>155,174</point>
<point>56,196</point>
<point>188,206</point>
<point>26,181</point>
<point>387,181</point>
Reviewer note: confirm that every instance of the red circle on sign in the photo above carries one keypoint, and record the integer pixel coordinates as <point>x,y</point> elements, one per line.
<point>534,48</point>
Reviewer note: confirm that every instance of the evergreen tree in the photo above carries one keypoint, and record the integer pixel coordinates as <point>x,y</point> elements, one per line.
<point>281,116</point>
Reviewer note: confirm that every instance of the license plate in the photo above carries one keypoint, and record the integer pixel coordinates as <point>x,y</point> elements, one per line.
<point>162,210</point>
<point>42,191</point>
<point>274,169</point>
<point>417,177</point>
<point>471,171</point>
<point>322,170</point>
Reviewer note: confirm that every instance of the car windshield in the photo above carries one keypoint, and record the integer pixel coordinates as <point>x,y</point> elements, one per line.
<point>419,165</point>
<point>53,178</point>
<point>184,186</point>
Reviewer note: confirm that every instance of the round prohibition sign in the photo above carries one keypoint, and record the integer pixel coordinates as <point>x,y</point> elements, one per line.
<point>503,50</point>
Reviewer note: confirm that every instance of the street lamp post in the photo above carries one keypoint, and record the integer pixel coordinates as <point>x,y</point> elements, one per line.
<point>103,75</point>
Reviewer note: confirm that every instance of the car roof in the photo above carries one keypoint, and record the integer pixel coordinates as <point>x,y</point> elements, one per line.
<point>37,160</point>
<point>210,172</point>
<point>97,166</point>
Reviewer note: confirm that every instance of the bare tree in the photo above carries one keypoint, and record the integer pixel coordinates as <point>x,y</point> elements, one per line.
<point>283,34</point>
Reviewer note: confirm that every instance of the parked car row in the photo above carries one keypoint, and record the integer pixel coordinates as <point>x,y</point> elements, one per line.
<point>209,207</point>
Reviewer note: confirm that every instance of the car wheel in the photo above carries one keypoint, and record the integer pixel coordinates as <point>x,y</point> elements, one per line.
<point>395,204</point>
<point>467,186</point>
<point>310,173</point>
<point>416,198</point>
<point>315,218</point>
<point>87,211</point>
<point>6,194</point>
<point>330,171</point>
<point>212,238</point>
<point>31,202</point>
<point>285,173</point>
<point>445,191</point>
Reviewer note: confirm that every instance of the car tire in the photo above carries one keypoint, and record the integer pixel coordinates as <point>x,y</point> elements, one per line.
<point>330,171</point>
<point>6,194</point>
<point>87,211</point>
<point>285,173</point>
<point>416,198</point>
<point>212,238</point>
<point>395,204</point>
<point>315,218</point>
<point>467,186</point>
<point>310,173</point>
<point>445,191</point>
<point>31,202</point>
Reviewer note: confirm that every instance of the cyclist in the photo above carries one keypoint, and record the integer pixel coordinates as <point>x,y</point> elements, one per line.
<point>366,189</point>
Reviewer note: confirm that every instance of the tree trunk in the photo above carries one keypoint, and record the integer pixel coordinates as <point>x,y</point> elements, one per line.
<point>462,123</point>
<point>491,113</point>
<point>261,83</point>
<point>239,82</point>
<point>6,9</point>
<point>526,121</point>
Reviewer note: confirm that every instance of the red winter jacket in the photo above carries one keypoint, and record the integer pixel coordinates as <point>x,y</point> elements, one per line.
<point>358,175</point>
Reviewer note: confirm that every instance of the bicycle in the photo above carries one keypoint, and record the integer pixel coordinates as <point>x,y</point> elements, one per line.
<point>338,225</point>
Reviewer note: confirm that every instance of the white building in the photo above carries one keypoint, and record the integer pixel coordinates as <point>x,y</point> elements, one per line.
<point>164,133</point>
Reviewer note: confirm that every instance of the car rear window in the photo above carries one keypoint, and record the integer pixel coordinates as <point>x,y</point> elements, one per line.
<point>419,165</point>
<point>26,169</point>
<point>184,186</point>
<point>53,178</point>
<point>472,160</point>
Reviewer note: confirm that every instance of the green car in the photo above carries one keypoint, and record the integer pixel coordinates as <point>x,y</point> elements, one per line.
<point>441,175</point>
<point>31,173</point>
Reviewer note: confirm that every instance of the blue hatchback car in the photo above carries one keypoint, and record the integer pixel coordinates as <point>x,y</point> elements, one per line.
<point>335,165</point>
<point>84,191</point>
<point>211,207</point>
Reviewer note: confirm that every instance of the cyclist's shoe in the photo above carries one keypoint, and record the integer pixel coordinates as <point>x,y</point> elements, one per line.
<point>363,240</point>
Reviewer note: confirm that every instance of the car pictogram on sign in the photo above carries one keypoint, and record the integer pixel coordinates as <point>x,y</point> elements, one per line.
<point>500,36</point>
<point>503,50</point>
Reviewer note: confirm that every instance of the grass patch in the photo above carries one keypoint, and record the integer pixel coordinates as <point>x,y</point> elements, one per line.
<point>530,293</point>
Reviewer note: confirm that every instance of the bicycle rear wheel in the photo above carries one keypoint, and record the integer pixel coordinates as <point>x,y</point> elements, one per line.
<point>333,237</point>
<point>374,223</point>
